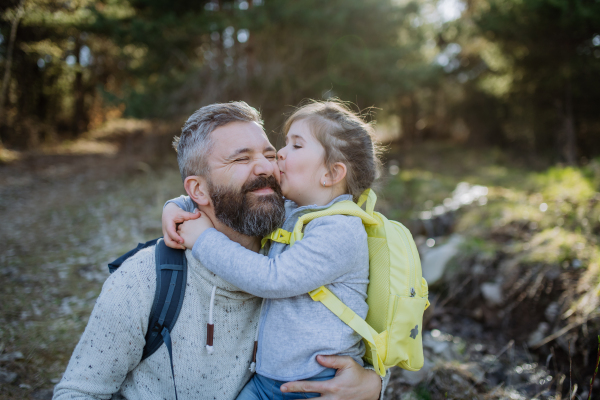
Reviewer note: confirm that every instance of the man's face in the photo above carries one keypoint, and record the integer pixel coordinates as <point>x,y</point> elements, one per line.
<point>243,179</point>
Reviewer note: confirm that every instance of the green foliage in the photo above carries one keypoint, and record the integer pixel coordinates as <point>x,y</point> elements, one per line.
<point>515,74</point>
<point>560,184</point>
<point>416,190</point>
<point>474,245</point>
<point>77,60</point>
<point>422,392</point>
<point>542,67</point>
<point>559,246</point>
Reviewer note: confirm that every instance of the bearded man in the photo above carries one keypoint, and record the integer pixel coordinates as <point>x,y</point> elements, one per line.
<point>228,167</point>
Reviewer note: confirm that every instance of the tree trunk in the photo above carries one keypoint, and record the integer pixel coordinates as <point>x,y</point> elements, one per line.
<point>78,94</point>
<point>570,150</point>
<point>250,56</point>
<point>9,58</point>
<point>408,119</point>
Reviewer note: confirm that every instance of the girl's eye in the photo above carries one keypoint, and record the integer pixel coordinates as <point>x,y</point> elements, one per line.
<point>297,146</point>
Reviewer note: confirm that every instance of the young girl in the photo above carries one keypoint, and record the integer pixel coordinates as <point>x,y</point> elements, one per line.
<point>330,156</point>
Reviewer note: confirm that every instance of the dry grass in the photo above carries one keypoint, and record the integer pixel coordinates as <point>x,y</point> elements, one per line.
<point>63,219</point>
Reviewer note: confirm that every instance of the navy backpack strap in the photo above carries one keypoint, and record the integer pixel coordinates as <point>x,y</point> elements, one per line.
<point>171,280</point>
<point>113,266</point>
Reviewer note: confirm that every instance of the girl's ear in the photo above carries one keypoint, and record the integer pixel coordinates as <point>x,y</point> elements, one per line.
<point>336,174</point>
<point>196,187</point>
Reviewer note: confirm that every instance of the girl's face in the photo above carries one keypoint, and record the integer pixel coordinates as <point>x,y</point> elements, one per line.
<point>301,164</point>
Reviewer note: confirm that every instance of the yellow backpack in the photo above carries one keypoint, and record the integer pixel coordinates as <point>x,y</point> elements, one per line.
<point>397,292</point>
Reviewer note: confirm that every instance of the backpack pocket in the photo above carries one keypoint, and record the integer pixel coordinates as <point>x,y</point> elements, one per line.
<point>405,345</point>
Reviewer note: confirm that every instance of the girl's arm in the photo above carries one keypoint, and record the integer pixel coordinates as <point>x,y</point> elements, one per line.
<point>329,249</point>
<point>183,202</point>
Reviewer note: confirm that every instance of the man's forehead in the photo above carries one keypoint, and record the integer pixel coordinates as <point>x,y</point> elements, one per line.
<point>237,136</point>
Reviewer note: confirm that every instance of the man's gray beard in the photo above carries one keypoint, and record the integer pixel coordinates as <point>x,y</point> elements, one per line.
<point>247,213</point>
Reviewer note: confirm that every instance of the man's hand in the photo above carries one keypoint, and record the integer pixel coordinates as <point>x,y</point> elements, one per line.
<point>191,230</point>
<point>173,215</point>
<point>350,382</point>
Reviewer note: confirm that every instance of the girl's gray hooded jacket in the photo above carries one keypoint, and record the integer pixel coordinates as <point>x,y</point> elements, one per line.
<point>293,328</point>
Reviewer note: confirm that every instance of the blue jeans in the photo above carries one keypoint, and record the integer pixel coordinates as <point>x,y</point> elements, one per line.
<point>261,388</point>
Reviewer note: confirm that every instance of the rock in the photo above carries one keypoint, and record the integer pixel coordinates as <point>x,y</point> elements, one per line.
<point>435,346</point>
<point>539,334</point>
<point>478,269</point>
<point>409,396</point>
<point>44,394</point>
<point>496,375</point>
<point>434,262</point>
<point>552,311</point>
<point>415,377</point>
<point>7,376</point>
<point>492,293</point>
<point>17,355</point>
<point>474,371</point>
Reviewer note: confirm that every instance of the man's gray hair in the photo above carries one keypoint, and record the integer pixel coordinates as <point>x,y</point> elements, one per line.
<point>194,143</point>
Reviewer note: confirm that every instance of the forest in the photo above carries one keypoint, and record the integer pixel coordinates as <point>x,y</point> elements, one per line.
<point>486,108</point>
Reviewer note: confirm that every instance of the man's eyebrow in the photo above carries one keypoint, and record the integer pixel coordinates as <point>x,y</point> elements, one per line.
<point>238,152</point>
<point>269,148</point>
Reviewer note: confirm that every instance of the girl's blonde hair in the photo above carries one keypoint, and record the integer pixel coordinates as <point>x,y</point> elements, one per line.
<point>346,138</point>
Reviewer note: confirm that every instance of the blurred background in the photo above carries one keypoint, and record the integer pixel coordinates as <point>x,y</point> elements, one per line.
<point>489,109</point>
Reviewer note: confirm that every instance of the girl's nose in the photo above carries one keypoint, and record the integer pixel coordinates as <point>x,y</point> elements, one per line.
<point>280,155</point>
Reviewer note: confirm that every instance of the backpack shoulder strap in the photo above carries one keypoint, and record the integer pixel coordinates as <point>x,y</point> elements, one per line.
<point>376,342</point>
<point>113,266</point>
<point>346,207</point>
<point>171,279</point>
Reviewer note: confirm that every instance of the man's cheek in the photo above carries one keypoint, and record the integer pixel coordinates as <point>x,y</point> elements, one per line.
<point>276,172</point>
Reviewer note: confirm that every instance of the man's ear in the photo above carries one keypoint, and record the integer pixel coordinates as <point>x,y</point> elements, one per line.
<point>197,188</point>
<point>336,174</point>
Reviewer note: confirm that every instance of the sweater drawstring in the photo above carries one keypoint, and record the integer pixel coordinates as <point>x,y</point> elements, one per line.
<point>253,364</point>
<point>210,327</point>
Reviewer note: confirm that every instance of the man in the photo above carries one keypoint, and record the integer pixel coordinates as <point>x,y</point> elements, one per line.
<point>229,170</point>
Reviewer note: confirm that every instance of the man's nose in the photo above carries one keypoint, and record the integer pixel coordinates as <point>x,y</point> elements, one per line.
<point>263,167</point>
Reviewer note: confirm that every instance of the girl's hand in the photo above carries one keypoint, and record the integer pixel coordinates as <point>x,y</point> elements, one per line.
<point>173,215</point>
<point>191,230</point>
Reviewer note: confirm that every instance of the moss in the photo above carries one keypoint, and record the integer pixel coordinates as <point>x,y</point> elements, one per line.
<point>422,393</point>
<point>559,246</point>
<point>478,246</point>
<point>566,184</point>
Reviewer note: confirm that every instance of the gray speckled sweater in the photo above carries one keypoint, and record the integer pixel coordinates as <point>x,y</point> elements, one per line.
<point>294,329</point>
<point>107,357</point>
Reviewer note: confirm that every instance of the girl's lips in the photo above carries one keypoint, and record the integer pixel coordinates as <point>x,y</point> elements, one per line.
<point>265,190</point>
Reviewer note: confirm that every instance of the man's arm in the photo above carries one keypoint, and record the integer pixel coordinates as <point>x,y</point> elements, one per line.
<point>113,340</point>
<point>351,382</point>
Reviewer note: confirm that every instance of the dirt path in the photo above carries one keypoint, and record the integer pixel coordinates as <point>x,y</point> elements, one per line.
<point>63,218</point>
